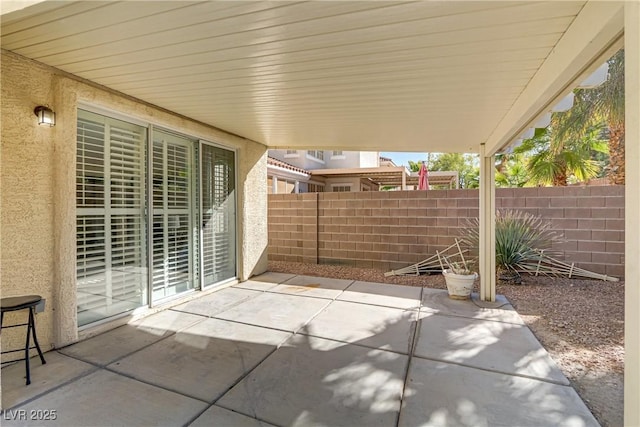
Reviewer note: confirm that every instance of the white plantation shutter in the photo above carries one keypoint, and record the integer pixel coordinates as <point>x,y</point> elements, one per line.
<point>91,239</point>
<point>127,168</point>
<point>173,249</point>
<point>137,208</point>
<point>218,214</point>
<point>110,189</point>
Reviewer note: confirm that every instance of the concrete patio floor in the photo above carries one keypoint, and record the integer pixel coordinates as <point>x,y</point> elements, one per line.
<point>291,350</point>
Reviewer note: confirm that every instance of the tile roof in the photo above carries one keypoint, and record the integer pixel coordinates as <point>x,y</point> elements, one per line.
<point>279,163</point>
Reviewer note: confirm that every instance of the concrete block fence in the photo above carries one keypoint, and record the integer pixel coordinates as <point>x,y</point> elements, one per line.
<point>390,230</point>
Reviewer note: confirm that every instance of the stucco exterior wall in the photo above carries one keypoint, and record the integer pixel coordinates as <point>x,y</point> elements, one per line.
<point>38,224</point>
<point>27,215</point>
<point>369,159</point>
<point>348,159</point>
<point>339,181</point>
<point>253,208</point>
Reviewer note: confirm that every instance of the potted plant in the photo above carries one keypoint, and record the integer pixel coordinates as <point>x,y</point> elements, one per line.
<point>459,277</point>
<point>521,239</point>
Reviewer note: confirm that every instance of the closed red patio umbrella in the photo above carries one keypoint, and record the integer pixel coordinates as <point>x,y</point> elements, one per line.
<point>423,182</point>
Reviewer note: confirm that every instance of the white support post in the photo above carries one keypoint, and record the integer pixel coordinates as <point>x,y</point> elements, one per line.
<point>404,180</point>
<point>632,214</point>
<point>487,248</point>
<point>274,185</point>
<point>296,187</point>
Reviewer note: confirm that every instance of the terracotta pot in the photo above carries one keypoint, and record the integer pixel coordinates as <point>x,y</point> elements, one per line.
<point>459,285</point>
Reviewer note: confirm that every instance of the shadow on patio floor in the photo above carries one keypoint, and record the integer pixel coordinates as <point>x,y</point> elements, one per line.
<point>303,351</point>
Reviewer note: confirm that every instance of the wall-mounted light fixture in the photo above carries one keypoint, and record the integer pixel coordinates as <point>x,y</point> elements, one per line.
<point>46,116</point>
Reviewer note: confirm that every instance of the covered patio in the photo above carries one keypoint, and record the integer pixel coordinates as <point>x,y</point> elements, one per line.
<point>236,78</point>
<point>292,350</point>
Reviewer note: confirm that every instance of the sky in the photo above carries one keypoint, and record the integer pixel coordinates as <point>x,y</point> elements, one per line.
<point>402,159</point>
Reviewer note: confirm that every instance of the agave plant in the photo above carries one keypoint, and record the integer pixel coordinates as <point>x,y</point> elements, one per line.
<point>520,237</point>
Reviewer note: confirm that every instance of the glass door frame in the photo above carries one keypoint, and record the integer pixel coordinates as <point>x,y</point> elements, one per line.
<point>115,115</point>
<point>202,142</point>
<point>150,127</point>
<point>195,178</point>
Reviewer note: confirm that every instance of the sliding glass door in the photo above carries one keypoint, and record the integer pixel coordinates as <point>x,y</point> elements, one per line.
<point>156,216</point>
<point>218,228</point>
<point>174,211</point>
<point>111,253</point>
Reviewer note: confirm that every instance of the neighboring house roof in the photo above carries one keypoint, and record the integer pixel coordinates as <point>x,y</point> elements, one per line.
<point>449,178</point>
<point>392,176</point>
<point>284,165</point>
<point>386,161</point>
<point>381,175</point>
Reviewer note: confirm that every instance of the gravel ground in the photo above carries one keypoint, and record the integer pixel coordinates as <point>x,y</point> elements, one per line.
<point>579,322</point>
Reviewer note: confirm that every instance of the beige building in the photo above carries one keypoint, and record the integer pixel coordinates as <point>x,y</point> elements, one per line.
<point>152,184</point>
<point>300,171</point>
<point>338,176</point>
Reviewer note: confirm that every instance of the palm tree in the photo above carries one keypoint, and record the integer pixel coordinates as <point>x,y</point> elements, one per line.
<point>511,170</point>
<point>601,107</point>
<point>555,161</point>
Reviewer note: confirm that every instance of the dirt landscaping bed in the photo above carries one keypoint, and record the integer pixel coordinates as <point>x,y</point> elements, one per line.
<point>579,322</point>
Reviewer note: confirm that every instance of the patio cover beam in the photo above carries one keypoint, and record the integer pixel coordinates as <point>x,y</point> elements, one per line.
<point>593,32</point>
<point>8,6</point>
<point>632,214</point>
<point>487,244</point>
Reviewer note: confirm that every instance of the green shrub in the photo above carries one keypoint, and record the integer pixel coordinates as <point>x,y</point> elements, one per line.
<point>520,237</point>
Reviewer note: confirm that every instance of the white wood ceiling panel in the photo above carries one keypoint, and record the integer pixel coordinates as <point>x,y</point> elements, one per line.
<point>480,106</point>
<point>145,17</point>
<point>314,59</point>
<point>341,72</point>
<point>84,19</point>
<point>274,83</point>
<point>367,112</point>
<point>213,18</point>
<point>364,110</point>
<point>50,11</point>
<point>390,92</point>
<point>308,74</point>
<point>385,73</point>
<point>250,23</point>
<point>364,114</point>
<point>399,60</point>
<point>349,83</point>
<point>297,36</point>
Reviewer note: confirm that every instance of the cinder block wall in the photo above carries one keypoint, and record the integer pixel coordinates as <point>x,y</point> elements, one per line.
<point>591,219</point>
<point>390,230</point>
